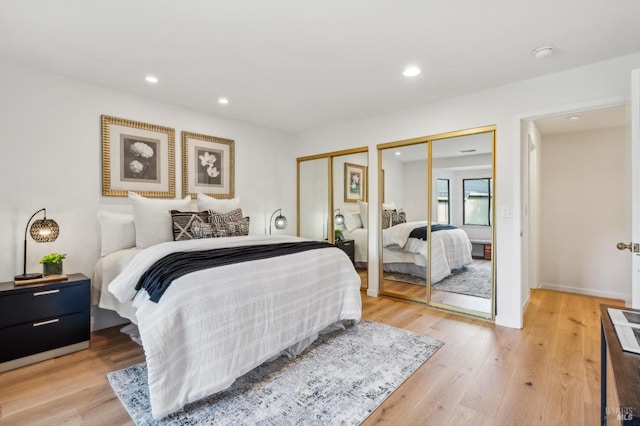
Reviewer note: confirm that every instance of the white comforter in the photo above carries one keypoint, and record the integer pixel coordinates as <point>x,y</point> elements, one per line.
<point>212,326</point>
<point>450,249</point>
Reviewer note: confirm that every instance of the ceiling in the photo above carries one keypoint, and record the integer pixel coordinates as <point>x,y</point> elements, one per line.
<point>297,65</point>
<point>582,121</point>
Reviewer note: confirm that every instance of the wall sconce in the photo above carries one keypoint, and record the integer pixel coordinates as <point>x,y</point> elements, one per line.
<point>280,222</point>
<point>42,231</point>
<point>338,218</point>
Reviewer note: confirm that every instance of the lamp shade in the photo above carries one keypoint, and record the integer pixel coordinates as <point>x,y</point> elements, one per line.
<point>338,218</point>
<point>280,221</point>
<point>44,230</point>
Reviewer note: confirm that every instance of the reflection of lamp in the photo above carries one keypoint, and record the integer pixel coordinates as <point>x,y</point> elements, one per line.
<point>338,218</point>
<point>280,222</point>
<point>43,231</point>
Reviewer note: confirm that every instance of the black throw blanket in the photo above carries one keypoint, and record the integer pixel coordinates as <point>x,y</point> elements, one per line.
<point>157,279</point>
<point>421,232</point>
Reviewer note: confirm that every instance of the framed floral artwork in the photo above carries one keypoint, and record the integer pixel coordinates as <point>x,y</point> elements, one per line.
<point>137,157</point>
<point>208,165</point>
<point>355,183</point>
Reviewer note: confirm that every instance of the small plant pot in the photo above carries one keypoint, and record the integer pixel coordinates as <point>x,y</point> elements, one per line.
<point>52,269</point>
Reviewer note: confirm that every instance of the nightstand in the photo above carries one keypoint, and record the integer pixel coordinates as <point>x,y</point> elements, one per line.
<point>347,246</point>
<point>43,321</point>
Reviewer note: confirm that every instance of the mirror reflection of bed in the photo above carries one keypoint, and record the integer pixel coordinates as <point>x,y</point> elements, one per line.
<point>459,258</point>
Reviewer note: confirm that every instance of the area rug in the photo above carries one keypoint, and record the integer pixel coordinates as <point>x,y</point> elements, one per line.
<point>474,280</point>
<point>340,379</point>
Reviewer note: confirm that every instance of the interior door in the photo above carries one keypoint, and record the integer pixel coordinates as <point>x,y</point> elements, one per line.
<point>635,184</point>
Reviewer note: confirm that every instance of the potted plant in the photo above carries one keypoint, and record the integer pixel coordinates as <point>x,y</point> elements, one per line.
<point>52,264</point>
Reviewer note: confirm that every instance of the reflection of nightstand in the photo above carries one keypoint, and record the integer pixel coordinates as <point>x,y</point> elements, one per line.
<point>39,322</point>
<point>347,246</point>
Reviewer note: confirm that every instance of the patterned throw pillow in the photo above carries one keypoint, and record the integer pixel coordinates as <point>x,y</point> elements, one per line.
<point>398,217</point>
<point>190,225</point>
<point>392,218</point>
<point>386,218</point>
<point>230,224</point>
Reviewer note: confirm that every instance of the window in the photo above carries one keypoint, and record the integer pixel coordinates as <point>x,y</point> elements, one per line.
<point>442,189</point>
<point>477,201</point>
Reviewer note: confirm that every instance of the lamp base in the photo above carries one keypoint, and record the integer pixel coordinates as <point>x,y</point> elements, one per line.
<point>23,277</point>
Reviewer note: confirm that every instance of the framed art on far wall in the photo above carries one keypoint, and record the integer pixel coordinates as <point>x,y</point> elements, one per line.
<point>138,157</point>
<point>355,183</point>
<point>208,165</point>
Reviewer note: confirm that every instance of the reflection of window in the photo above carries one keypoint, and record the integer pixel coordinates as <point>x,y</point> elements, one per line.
<point>442,188</point>
<point>477,201</point>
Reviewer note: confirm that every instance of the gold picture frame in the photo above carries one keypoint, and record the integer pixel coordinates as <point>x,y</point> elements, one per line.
<point>137,157</point>
<point>208,165</point>
<point>355,183</point>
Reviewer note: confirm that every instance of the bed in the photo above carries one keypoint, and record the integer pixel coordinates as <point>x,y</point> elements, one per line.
<point>401,253</point>
<point>212,325</point>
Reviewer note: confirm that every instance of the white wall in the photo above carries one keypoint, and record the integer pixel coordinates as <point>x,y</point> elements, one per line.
<point>51,157</point>
<point>585,212</point>
<point>415,191</point>
<point>504,106</point>
<point>394,181</point>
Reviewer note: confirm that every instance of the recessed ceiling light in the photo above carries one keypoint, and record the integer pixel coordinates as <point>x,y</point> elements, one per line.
<point>223,101</point>
<point>411,71</point>
<point>543,52</point>
<point>151,79</point>
<point>398,153</point>
<point>574,118</point>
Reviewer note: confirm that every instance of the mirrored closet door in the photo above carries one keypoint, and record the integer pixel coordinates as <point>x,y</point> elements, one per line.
<point>403,183</point>
<point>437,220</point>
<point>333,203</point>
<point>462,222</point>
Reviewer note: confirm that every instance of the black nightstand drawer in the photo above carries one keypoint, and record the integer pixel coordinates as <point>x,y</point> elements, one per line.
<point>28,339</point>
<point>42,303</point>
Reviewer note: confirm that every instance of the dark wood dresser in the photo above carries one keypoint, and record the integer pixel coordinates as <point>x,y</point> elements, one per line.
<point>620,393</point>
<point>43,321</point>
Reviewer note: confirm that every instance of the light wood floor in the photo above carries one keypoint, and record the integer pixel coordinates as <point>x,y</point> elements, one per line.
<point>545,374</point>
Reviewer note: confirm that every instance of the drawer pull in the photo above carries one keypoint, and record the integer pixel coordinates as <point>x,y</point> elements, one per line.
<point>42,293</point>
<point>38,324</point>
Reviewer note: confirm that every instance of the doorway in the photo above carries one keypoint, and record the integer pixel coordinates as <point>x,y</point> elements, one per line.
<point>576,181</point>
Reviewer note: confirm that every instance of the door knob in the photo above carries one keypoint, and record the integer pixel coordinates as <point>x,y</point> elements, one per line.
<point>623,246</point>
<point>632,247</point>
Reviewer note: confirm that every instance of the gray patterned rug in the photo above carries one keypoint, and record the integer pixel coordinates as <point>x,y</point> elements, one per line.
<point>473,280</point>
<point>340,379</point>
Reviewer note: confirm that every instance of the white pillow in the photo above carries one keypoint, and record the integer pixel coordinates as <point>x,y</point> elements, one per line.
<point>117,232</point>
<point>352,221</point>
<point>389,206</point>
<point>364,213</point>
<point>217,205</point>
<point>152,218</point>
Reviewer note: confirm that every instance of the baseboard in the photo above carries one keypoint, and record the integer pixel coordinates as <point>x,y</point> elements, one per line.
<point>525,304</point>
<point>589,292</point>
<point>373,292</point>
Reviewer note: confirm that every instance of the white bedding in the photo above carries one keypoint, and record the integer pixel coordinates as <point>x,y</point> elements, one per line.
<point>214,325</point>
<point>106,269</point>
<point>451,248</point>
